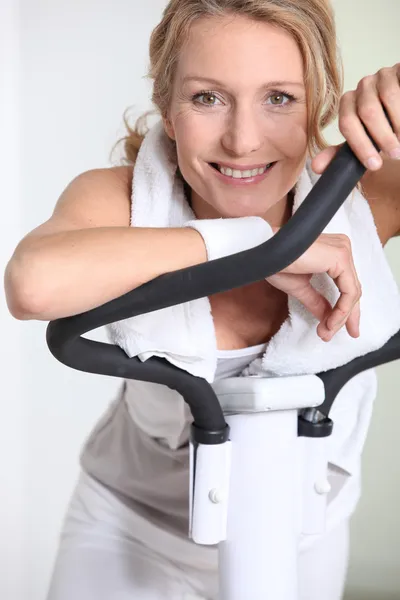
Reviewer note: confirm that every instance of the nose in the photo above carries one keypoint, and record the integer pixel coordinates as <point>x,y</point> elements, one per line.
<point>243,134</point>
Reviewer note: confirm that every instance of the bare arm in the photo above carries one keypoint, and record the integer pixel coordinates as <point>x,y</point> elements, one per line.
<point>382,191</point>
<point>87,254</point>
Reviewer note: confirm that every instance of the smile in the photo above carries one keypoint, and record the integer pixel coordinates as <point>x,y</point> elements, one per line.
<point>237,177</point>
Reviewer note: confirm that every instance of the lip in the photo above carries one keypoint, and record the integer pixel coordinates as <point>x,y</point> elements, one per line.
<point>242,167</point>
<point>246,180</point>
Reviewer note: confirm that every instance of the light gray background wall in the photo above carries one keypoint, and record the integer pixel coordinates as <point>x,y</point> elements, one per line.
<point>68,71</point>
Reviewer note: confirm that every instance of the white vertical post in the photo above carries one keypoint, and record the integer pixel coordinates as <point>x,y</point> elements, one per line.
<point>315,484</point>
<point>258,561</point>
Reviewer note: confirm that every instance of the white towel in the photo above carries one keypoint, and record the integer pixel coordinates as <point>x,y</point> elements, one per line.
<point>185,334</point>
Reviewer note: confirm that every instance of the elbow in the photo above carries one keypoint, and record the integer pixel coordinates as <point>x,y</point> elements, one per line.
<point>22,297</point>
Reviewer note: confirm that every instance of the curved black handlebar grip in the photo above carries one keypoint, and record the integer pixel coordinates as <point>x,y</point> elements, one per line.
<point>97,357</point>
<point>288,244</point>
<point>335,379</point>
<point>63,335</point>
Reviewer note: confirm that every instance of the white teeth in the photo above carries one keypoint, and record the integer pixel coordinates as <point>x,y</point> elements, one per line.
<point>236,174</point>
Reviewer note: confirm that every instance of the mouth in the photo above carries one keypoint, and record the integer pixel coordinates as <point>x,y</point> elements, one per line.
<point>237,177</point>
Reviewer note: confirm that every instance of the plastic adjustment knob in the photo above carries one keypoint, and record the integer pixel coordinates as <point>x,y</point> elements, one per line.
<point>216,496</point>
<point>322,486</point>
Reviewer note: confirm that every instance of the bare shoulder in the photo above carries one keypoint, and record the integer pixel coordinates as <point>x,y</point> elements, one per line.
<point>382,191</point>
<point>94,198</point>
<point>97,198</point>
<point>124,173</point>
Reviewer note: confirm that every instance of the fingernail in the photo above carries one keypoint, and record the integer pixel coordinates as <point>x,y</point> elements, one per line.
<point>395,153</point>
<point>373,163</point>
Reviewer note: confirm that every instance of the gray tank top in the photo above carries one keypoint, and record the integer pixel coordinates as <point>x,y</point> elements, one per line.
<point>144,473</point>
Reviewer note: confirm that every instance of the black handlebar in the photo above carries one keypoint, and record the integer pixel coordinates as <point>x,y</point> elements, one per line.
<point>289,243</point>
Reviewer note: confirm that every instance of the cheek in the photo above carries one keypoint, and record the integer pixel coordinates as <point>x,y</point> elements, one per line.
<point>290,139</point>
<point>288,134</point>
<point>190,137</point>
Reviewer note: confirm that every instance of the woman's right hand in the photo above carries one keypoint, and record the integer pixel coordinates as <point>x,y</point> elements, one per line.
<point>331,254</point>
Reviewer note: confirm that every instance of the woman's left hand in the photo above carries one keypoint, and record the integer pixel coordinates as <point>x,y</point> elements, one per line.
<point>363,106</point>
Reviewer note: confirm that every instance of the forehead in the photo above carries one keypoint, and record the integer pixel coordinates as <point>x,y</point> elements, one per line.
<point>224,47</point>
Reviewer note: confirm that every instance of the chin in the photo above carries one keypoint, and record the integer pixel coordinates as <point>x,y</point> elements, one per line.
<point>241,212</point>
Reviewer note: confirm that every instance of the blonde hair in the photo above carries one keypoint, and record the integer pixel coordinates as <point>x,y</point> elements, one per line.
<point>310,22</point>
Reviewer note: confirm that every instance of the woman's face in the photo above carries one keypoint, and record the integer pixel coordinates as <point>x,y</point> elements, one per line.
<point>239,101</point>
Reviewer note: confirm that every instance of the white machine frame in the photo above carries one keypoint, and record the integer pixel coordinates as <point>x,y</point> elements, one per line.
<point>256,519</point>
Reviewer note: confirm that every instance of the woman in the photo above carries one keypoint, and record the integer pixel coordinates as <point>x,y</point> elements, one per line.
<point>239,85</point>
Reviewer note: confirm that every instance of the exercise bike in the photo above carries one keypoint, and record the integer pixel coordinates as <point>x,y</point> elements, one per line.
<point>248,426</point>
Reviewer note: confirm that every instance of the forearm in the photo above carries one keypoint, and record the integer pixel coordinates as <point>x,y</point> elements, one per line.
<point>67,273</point>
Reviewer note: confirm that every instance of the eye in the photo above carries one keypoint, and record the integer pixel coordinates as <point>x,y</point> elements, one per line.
<point>210,99</point>
<point>277,98</point>
<point>206,94</point>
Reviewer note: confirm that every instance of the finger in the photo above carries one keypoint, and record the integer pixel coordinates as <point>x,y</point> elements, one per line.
<point>322,160</point>
<point>343,257</point>
<point>350,290</point>
<point>353,130</point>
<point>299,287</point>
<point>388,86</point>
<point>353,322</point>
<point>313,301</point>
<point>342,240</point>
<point>342,271</point>
<point>370,109</point>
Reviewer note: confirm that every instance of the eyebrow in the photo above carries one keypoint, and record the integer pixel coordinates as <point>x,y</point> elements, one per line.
<point>216,82</point>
